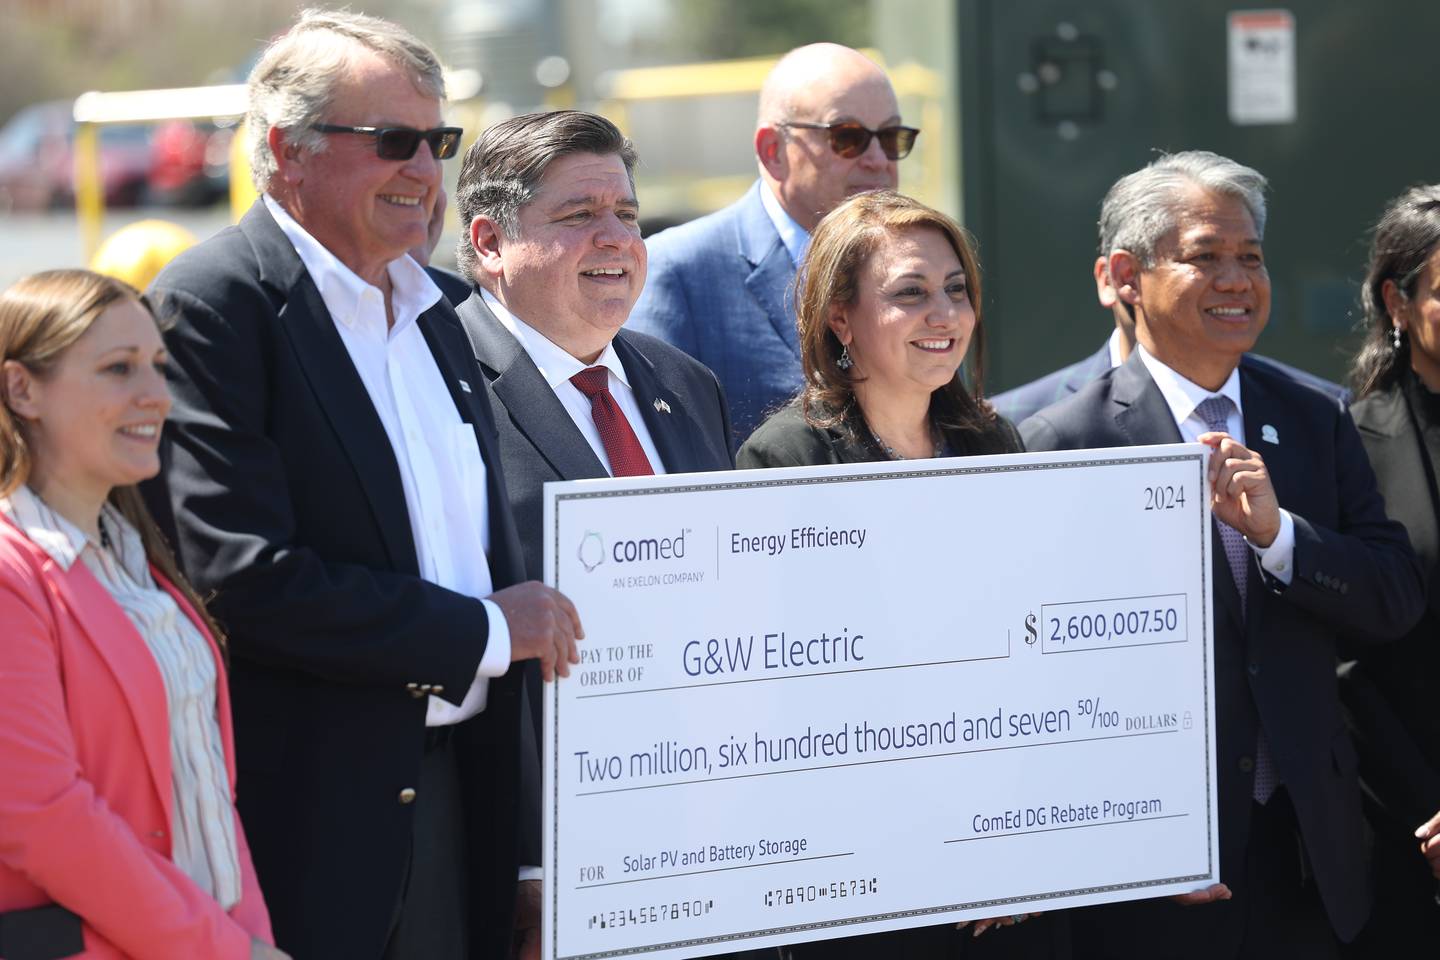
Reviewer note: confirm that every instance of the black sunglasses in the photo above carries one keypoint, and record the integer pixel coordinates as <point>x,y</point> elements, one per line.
<point>850,139</point>
<point>400,143</point>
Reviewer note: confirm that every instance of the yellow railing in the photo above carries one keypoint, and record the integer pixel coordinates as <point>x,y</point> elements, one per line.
<point>95,109</point>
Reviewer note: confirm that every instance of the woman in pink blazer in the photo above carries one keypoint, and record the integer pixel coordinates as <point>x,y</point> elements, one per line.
<point>118,832</point>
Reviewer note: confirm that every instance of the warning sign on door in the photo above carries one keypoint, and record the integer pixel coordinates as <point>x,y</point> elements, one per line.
<point>1262,66</point>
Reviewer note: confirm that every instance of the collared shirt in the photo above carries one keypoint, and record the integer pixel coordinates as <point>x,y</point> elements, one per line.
<point>795,237</point>
<point>441,470</point>
<point>558,366</point>
<point>202,826</point>
<point>1116,356</point>
<point>1183,396</point>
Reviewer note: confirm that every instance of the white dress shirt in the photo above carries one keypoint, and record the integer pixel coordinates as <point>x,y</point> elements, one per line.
<point>441,469</point>
<point>558,366</point>
<point>795,237</point>
<point>1183,397</point>
<point>1116,357</point>
<point>202,826</point>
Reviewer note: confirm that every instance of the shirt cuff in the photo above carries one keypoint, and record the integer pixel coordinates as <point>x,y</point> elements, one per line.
<point>531,873</point>
<point>497,645</point>
<point>1278,559</point>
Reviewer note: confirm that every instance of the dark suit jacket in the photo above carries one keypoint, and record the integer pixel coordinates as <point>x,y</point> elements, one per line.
<point>455,287</point>
<point>1275,667</point>
<point>539,442</point>
<point>288,506</point>
<point>1023,402</point>
<point>1388,688</point>
<point>720,288</point>
<point>787,440</point>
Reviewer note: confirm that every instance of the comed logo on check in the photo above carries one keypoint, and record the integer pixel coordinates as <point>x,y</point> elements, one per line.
<point>592,550</point>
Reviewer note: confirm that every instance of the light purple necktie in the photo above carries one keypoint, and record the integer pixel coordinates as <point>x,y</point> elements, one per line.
<point>1215,411</point>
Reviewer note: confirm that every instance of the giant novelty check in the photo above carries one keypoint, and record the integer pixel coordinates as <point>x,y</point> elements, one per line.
<point>821,702</point>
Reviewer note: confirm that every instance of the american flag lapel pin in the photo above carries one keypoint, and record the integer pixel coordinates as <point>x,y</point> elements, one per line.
<point>661,406</point>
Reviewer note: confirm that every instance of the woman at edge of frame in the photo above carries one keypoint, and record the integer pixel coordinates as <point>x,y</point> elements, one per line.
<point>1386,689</point>
<point>118,832</point>
<point>887,310</point>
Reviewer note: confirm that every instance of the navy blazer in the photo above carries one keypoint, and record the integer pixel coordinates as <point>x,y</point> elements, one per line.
<point>1023,402</point>
<point>286,503</point>
<point>1275,663</point>
<point>720,288</point>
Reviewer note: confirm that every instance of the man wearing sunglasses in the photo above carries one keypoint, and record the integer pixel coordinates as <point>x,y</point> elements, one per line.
<point>333,479</point>
<point>720,287</point>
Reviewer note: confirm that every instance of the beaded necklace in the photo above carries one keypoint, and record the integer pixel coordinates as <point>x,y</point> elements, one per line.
<point>894,454</point>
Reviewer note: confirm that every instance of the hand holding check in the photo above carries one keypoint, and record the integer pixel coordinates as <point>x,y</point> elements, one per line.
<point>543,626</point>
<point>1241,493</point>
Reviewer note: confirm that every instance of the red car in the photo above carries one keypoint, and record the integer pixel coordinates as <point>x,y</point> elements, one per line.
<point>190,162</point>
<point>37,159</point>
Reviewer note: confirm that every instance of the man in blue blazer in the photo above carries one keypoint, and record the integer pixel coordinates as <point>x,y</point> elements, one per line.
<point>1303,552</point>
<point>721,287</point>
<point>1025,401</point>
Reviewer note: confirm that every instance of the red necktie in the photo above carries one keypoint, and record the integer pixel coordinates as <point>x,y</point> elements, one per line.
<point>627,457</point>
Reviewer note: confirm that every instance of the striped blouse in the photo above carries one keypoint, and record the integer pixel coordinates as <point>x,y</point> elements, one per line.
<point>203,830</point>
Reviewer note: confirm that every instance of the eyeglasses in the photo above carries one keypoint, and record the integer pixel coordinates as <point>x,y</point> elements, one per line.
<point>400,143</point>
<point>850,139</point>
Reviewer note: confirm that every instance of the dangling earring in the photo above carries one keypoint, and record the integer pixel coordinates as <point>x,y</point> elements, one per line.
<point>1395,337</point>
<point>845,363</point>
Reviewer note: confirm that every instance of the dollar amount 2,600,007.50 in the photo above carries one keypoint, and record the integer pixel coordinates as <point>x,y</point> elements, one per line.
<point>1127,621</point>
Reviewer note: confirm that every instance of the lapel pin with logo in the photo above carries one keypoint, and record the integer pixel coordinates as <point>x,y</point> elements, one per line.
<point>465,386</point>
<point>1268,434</point>
<point>661,406</point>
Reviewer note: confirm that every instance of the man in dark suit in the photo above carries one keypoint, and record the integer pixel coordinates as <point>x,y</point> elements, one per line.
<point>556,275</point>
<point>335,481</point>
<point>1303,551</point>
<point>1025,401</point>
<point>551,240</point>
<point>721,287</point>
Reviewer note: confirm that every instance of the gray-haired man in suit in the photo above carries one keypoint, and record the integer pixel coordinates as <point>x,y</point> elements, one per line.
<point>1303,552</point>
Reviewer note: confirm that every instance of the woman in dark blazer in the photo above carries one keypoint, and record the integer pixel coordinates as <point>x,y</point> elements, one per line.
<point>888,307</point>
<point>1389,690</point>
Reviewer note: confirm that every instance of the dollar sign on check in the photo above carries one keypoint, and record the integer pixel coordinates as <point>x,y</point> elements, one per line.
<point>1031,633</point>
